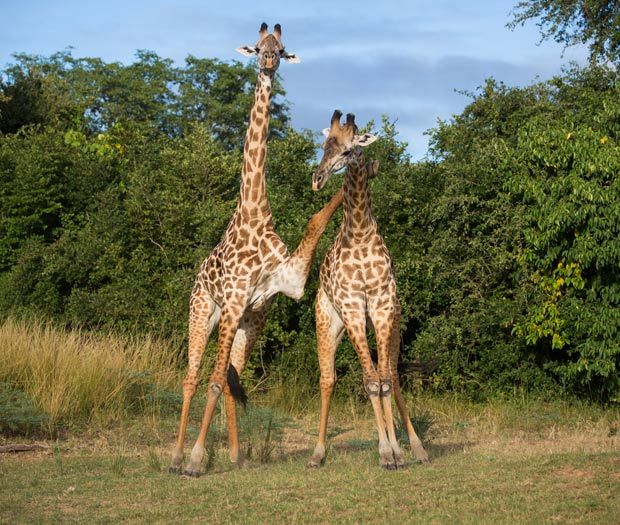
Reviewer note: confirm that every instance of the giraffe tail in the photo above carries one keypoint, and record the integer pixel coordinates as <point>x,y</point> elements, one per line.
<point>423,368</point>
<point>236,388</point>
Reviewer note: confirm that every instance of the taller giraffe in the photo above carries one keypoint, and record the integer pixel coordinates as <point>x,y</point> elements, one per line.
<point>236,283</point>
<point>358,286</point>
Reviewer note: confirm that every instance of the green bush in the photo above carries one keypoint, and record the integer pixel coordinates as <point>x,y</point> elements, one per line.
<point>116,181</point>
<point>18,413</point>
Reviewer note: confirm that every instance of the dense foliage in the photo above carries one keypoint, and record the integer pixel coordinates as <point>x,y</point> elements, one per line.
<point>117,180</point>
<point>529,219</point>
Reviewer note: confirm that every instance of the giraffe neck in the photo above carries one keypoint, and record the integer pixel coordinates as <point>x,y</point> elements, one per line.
<point>253,192</point>
<point>358,222</point>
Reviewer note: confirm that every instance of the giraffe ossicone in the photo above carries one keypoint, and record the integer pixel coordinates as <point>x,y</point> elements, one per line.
<point>269,47</point>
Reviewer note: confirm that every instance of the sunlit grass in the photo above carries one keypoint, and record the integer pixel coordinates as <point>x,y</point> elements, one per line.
<point>76,377</point>
<point>516,459</point>
<point>460,486</point>
<point>73,376</point>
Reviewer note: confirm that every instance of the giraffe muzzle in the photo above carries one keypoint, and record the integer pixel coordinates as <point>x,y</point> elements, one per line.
<point>326,169</point>
<point>318,181</point>
<point>270,62</point>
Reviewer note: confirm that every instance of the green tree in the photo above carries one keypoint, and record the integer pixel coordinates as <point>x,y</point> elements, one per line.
<point>117,180</point>
<point>565,170</point>
<point>570,22</point>
<point>33,91</point>
<point>220,95</point>
<point>522,269</point>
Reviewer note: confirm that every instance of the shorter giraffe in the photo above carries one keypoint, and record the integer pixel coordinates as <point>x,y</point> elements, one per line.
<point>358,286</point>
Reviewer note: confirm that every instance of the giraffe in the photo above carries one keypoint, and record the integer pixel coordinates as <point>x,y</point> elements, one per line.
<point>237,281</point>
<point>357,287</point>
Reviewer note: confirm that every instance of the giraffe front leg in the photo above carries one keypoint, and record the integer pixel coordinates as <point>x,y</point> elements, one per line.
<point>204,315</point>
<point>229,321</point>
<point>384,324</point>
<point>250,327</point>
<point>356,328</point>
<point>386,399</point>
<point>387,460</point>
<point>329,331</point>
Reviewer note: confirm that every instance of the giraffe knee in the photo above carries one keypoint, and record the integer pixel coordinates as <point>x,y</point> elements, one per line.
<point>327,383</point>
<point>189,387</point>
<point>386,388</point>
<point>216,388</point>
<point>372,388</point>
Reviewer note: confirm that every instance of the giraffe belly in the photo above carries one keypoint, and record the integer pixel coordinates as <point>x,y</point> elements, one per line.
<point>291,283</point>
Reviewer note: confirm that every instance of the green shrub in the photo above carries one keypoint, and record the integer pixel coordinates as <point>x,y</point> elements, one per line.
<point>18,413</point>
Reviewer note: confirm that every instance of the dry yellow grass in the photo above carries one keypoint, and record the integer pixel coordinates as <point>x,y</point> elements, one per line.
<point>71,375</point>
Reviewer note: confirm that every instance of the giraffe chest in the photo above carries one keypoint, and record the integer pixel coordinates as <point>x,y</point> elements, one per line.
<point>358,276</point>
<point>244,263</point>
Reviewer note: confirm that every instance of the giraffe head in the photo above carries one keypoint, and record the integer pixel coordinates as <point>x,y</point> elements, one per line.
<point>342,147</point>
<point>269,50</point>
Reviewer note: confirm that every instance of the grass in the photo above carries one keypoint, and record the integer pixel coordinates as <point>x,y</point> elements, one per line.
<point>72,376</point>
<point>475,477</point>
<point>520,461</point>
<point>516,460</point>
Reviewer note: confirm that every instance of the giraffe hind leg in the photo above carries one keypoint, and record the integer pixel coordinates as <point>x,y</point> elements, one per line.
<point>204,315</point>
<point>329,331</point>
<point>250,327</point>
<point>228,325</point>
<point>417,448</point>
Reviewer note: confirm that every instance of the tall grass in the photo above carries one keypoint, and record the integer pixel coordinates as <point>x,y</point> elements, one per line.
<point>72,375</point>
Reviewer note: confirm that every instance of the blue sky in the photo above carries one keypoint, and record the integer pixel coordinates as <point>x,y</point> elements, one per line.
<point>405,59</point>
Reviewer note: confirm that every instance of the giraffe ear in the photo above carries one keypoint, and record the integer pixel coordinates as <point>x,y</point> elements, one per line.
<point>291,58</point>
<point>246,51</point>
<point>364,140</point>
<point>326,132</point>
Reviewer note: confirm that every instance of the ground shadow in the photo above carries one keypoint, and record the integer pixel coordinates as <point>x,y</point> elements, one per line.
<point>435,450</point>
<point>438,450</point>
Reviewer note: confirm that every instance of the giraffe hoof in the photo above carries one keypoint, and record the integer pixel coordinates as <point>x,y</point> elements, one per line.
<point>174,470</point>
<point>399,461</point>
<point>313,463</point>
<point>420,455</point>
<point>191,473</point>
